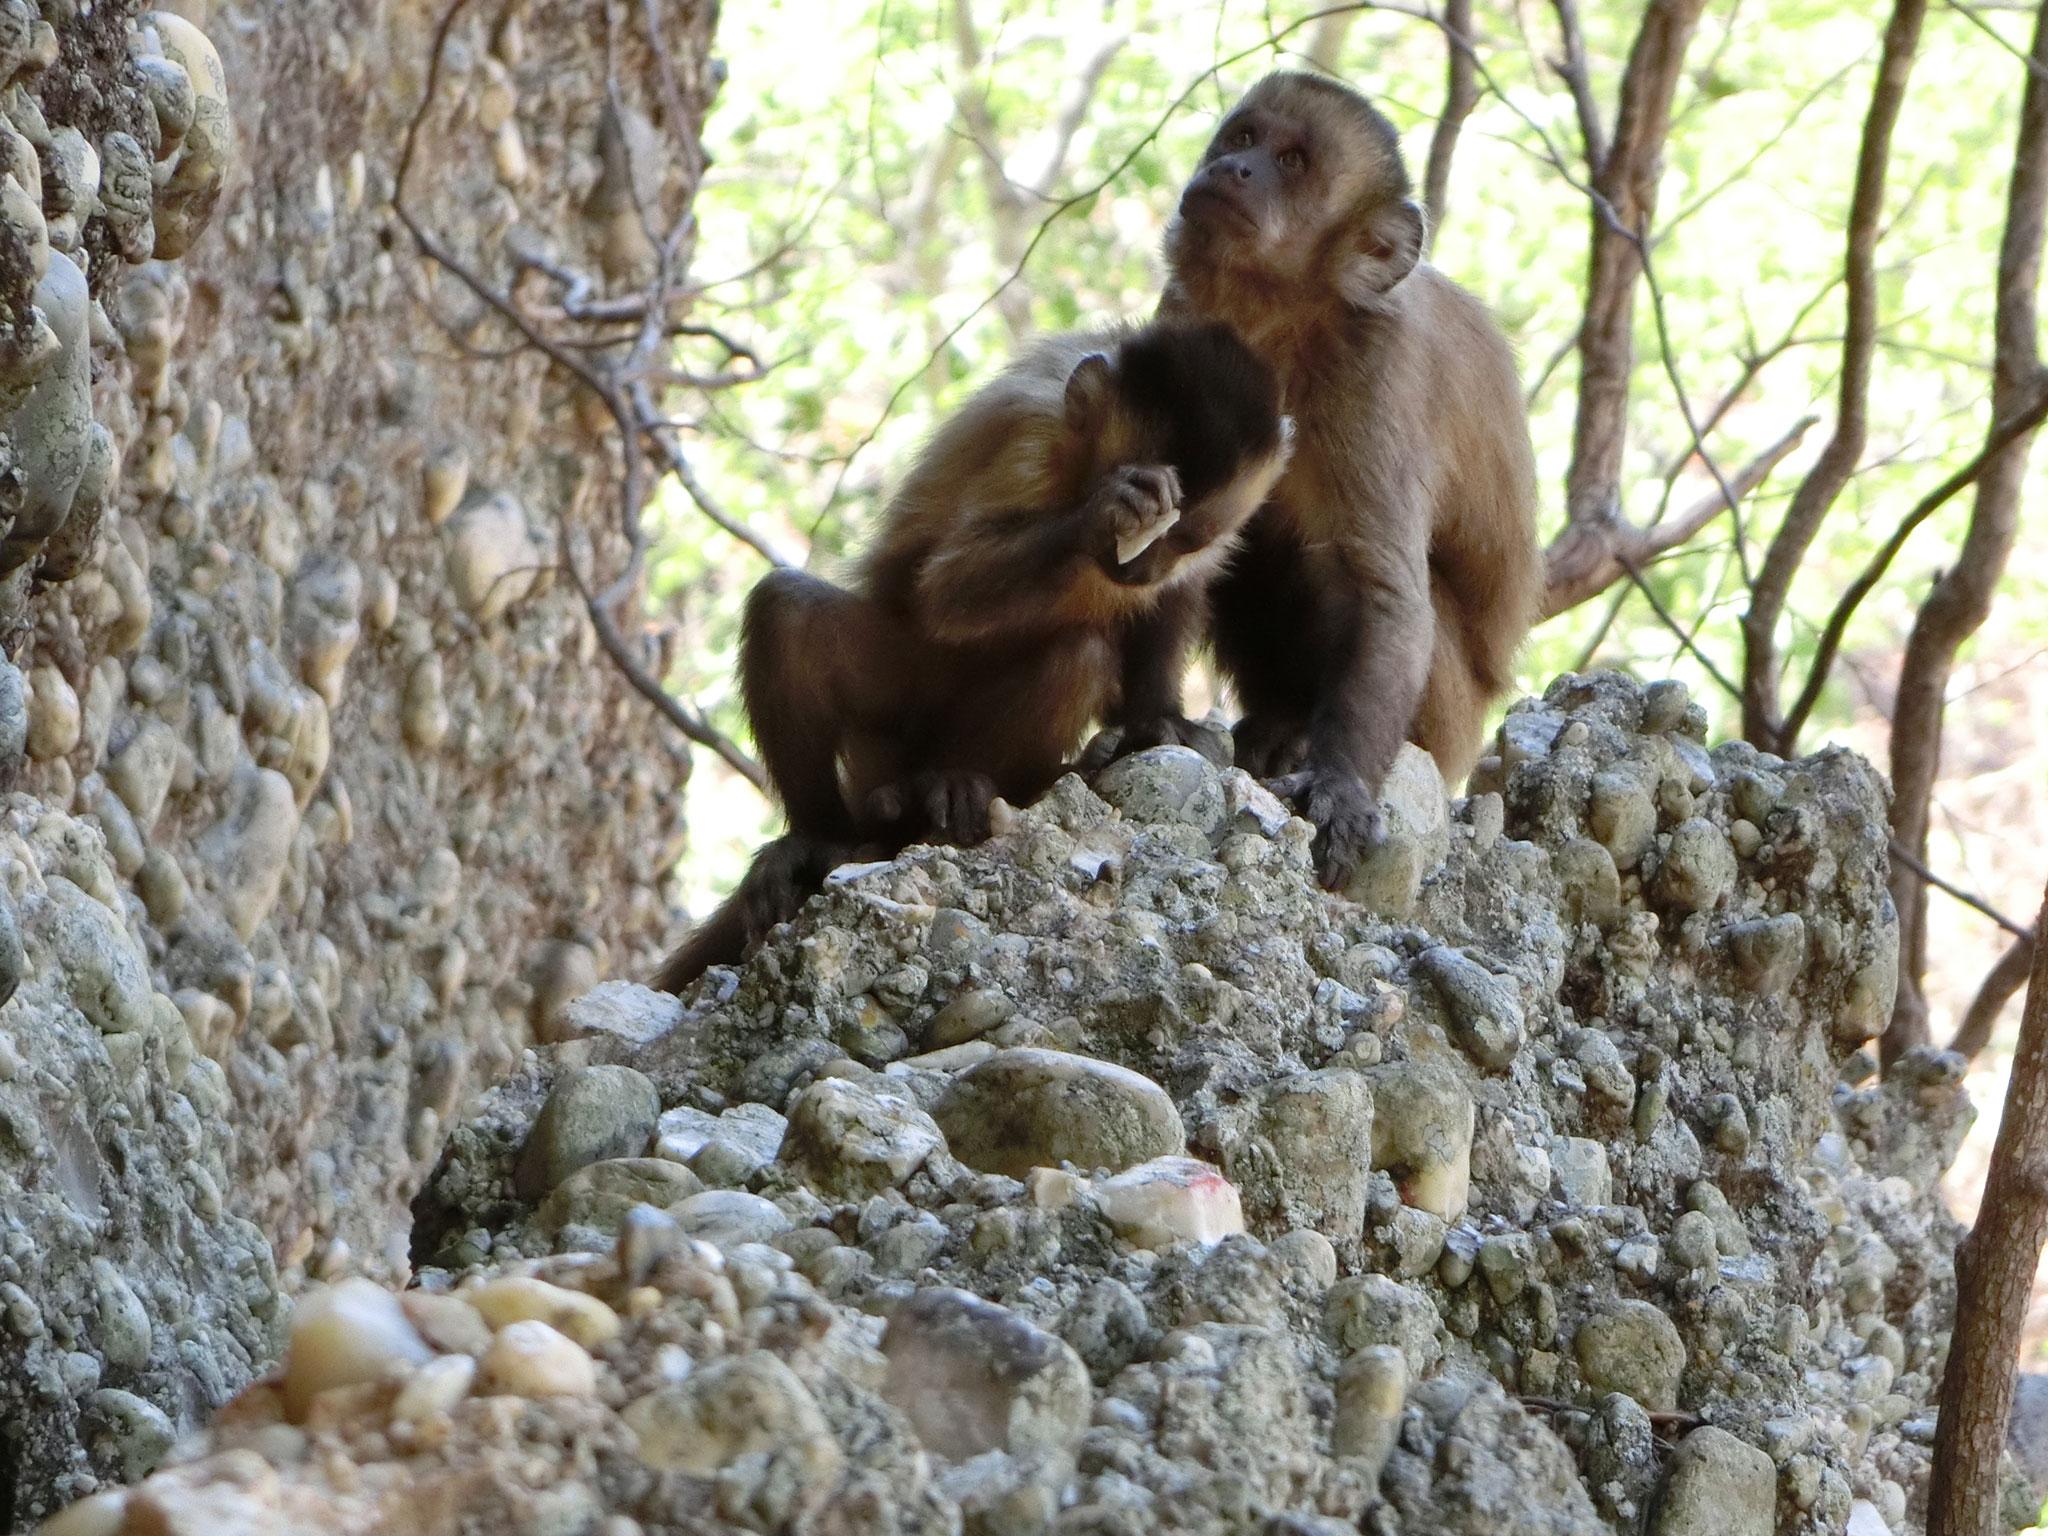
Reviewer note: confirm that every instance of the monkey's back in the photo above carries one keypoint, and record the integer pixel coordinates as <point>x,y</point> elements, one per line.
<point>1483,542</point>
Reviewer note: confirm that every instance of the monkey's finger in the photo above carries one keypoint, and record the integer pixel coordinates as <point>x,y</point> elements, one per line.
<point>885,806</point>
<point>935,806</point>
<point>1163,480</point>
<point>1103,749</point>
<point>972,797</point>
<point>1296,787</point>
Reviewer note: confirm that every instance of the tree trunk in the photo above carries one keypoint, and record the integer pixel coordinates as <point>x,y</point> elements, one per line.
<point>1961,598</point>
<point>1994,1279</point>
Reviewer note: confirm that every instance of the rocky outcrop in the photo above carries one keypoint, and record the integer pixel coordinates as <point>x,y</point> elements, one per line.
<point>1111,1178</point>
<point>317,802</point>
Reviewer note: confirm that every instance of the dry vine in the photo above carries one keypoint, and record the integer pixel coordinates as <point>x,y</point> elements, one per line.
<point>611,347</point>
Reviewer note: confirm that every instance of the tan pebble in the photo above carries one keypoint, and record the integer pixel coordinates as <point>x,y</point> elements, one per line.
<point>351,1333</point>
<point>498,100</point>
<point>1054,1189</point>
<point>642,1301</point>
<point>446,478</point>
<point>100,1515</point>
<point>449,1323</point>
<point>530,1359</point>
<point>436,1388</point>
<point>508,153</point>
<point>54,716</point>
<point>380,600</point>
<point>519,1298</point>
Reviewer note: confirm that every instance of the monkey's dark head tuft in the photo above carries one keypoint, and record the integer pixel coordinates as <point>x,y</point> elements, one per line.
<point>1209,402</point>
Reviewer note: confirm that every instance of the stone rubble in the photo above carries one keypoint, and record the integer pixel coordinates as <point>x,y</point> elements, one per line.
<point>1110,1178</point>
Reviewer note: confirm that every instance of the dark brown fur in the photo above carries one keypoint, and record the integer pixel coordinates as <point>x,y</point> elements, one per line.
<point>993,623</point>
<point>1385,589</point>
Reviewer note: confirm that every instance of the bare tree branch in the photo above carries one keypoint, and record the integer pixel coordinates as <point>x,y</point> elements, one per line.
<point>1578,78</point>
<point>1969,14</point>
<point>1010,197</point>
<point>1326,39</point>
<point>686,720</point>
<point>1995,1269</point>
<point>1824,482</point>
<point>1961,598</point>
<point>1075,101</point>
<point>2000,983</point>
<point>1587,558</point>
<point>1625,181</point>
<point>1461,94</point>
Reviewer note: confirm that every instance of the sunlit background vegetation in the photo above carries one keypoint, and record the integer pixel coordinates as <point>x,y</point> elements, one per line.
<point>900,189</point>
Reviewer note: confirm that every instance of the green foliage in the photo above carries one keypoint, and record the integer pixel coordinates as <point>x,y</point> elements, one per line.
<point>851,215</point>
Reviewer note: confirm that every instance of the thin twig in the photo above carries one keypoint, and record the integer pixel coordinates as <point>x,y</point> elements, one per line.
<point>1685,640</point>
<point>1830,642</point>
<point>1901,855</point>
<point>1578,80</point>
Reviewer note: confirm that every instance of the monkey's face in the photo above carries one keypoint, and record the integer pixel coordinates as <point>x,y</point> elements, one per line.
<point>1187,393</point>
<point>1301,193</point>
<point>1193,395</point>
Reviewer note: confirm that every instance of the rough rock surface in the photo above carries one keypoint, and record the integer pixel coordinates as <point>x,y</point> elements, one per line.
<point>1557,1204</point>
<point>276,610</point>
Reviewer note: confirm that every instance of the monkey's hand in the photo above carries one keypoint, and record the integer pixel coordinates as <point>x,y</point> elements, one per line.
<point>1118,741</point>
<point>947,805</point>
<point>1137,503</point>
<point>1346,818</point>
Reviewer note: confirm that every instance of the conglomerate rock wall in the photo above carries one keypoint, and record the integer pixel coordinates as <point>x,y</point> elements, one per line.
<point>314,802</point>
<point>1112,1179</point>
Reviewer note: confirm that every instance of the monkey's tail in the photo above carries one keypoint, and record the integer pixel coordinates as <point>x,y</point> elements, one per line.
<point>721,939</point>
<point>784,875</point>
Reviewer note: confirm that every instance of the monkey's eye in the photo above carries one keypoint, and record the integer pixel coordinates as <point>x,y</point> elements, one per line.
<point>1294,160</point>
<point>1242,139</point>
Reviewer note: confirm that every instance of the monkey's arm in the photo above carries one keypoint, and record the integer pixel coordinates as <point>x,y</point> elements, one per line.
<point>1152,658</point>
<point>1023,570</point>
<point>817,662</point>
<point>1373,676</point>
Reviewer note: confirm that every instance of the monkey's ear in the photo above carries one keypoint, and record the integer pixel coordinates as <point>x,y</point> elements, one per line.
<point>1388,249</point>
<point>1088,392</point>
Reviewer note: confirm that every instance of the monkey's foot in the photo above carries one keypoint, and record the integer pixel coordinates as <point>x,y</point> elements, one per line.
<point>784,875</point>
<point>1345,815</point>
<point>1269,746</point>
<point>947,805</point>
<point>1116,741</point>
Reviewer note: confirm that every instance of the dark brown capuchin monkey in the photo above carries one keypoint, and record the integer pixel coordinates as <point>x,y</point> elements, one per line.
<point>1042,568</point>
